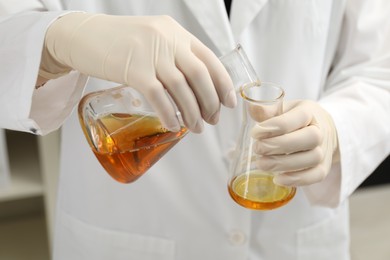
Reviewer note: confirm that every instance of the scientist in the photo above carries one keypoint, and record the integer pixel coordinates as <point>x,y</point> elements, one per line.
<point>332,58</point>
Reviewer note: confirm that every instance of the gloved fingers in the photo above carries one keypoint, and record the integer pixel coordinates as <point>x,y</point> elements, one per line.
<point>289,121</point>
<point>303,139</point>
<point>262,112</point>
<point>200,82</point>
<point>220,77</point>
<point>158,98</point>
<point>301,178</point>
<point>178,88</point>
<point>290,162</point>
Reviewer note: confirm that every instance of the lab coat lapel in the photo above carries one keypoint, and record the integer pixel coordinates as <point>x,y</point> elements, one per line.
<point>212,17</point>
<point>242,14</point>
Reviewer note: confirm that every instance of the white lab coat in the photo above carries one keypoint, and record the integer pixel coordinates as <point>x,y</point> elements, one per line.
<point>336,52</point>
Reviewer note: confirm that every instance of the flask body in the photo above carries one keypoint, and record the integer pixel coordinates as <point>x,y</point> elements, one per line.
<point>124,132</point>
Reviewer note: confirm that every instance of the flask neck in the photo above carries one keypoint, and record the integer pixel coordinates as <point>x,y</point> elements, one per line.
<point>239,68</point>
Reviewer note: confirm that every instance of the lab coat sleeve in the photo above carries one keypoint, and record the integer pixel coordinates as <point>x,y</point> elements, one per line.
<point>357,96</point>
<point>22,107</point>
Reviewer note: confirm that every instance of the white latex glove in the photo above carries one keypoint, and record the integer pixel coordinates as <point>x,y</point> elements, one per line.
<point>301,144</point>
<point>151,54</point>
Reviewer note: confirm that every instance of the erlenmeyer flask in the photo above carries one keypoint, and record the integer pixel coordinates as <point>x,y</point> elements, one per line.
<point>248,185</point>
<point>124,132</point>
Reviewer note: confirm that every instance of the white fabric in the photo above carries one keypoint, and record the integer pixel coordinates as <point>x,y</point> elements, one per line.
<point>180,209</point>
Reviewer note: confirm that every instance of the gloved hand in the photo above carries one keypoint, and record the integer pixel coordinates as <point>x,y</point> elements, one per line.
<point>151,54</point>
<point>301,144</point>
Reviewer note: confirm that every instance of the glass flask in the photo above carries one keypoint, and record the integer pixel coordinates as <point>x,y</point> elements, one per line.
<point>249,186</point>
<point>124,132</point>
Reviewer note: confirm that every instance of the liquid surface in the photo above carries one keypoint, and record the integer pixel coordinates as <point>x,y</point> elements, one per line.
<point>257,191</point>
<point>128,145</point>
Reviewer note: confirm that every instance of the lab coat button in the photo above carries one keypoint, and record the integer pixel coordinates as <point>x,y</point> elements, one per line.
<point>237,238</point>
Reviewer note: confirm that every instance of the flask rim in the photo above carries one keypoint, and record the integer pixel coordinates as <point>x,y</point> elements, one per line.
<point>279,97</point>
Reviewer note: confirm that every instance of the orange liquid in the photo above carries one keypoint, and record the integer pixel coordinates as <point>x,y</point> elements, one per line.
<point>257,191</point>
<point>129,151</point>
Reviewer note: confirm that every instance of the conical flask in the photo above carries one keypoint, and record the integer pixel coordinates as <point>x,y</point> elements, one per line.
<point>124,132</point>
<point>248,185</point>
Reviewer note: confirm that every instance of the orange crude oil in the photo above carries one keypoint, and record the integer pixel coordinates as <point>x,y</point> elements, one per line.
<point>257,190</point>
<point>126,153</point>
